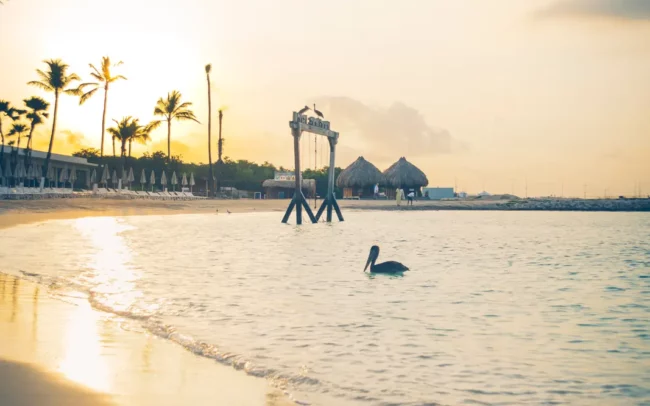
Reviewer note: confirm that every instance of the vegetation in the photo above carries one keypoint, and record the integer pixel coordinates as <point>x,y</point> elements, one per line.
<point>56,80</point>
<point>240,174</point>
<point>104,78</point>
<point>172,108</point>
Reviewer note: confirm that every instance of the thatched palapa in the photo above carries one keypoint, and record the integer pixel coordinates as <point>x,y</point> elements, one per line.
<point>360,177</point>
<point>360,173</point>
<point>403,174</point>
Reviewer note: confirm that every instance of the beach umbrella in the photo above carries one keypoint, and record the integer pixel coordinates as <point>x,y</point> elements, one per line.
<point>125,177</point>
<point>143,179</point>
<point>73,177</point>
<point>51,175</point>
<point>93,177</point>
<point>163,180</point>
<point>184,180</point>
<point>105,176</point>
<point>63,176</point>
<point>152,179</point>
<point>192,183</point>
<point>174,180</point>
<point>131,177</point>
<point>114,178</point>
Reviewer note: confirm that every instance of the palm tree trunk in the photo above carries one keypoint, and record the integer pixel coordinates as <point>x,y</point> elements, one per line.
<point>2,151</point>
<point>104,122</point>
<point>130,141</point>
<point>123,159</point>
<point>210,139</point>
<point>220,151</point>
<point>169,141</point>
<point>28,150</point>
<point>49,149</point>
<point>113,147</point>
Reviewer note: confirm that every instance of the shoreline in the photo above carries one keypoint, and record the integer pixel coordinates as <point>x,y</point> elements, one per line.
<point>74,354</point>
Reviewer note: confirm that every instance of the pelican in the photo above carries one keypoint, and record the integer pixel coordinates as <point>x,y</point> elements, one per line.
<point>303,110</point>
<point>384,267</point>
<point>318,113</point>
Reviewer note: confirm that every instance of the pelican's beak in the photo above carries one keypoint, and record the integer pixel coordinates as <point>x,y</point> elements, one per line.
<point>368,262</point>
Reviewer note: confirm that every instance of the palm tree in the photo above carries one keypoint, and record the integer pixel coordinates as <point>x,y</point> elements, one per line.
<point>13,114</point>
<point>104,79</point>
<point>17,130</point>
<point>56,80</point>
<point>36,114</point>
<point>143,136</point>
<point>208,68</point>
<point>172,109</point>
<point>127,130</point>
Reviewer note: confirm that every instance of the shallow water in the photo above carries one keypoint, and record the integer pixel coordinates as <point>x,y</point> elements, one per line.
<point>499,307</point>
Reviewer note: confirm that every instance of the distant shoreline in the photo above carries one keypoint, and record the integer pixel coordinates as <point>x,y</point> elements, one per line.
<point>15,212</point>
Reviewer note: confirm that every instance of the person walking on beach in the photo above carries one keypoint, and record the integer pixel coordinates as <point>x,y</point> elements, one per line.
<point>410,196</point>
<point>376,190</point>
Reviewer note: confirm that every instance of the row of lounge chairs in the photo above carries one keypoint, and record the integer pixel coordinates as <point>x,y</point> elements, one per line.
<point>20,192</point>
<point>133,194</point>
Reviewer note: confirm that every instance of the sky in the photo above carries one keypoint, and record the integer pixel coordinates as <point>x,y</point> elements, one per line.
<point>536,97</point>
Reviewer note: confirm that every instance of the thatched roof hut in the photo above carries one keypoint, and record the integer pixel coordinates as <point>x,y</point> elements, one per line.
<point>403,174</point>
<point>360,174</point>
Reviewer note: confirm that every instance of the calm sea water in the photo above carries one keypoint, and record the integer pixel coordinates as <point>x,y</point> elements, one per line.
<point>498,308</point>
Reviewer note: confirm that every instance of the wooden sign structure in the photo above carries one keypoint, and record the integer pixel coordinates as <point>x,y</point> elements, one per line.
<point>301,123</point>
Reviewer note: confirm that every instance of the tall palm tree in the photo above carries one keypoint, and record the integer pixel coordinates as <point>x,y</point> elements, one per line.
<point>104,79</point>
<point>208,68</point>
<point>171,108</point>
<point>56,80</point>
<point>36,115</point>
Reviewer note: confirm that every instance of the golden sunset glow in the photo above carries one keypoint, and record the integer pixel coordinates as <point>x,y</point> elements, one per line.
<point>484,95</point>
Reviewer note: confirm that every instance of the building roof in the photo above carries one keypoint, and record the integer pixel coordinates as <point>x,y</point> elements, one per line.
<point>360,173</point>
<point>66,159</point>
<point>289,184</point>
<point>404,174</point>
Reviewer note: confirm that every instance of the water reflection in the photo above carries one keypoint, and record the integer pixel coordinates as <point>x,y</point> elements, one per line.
<point>83,361</point>
<point>109,264</point>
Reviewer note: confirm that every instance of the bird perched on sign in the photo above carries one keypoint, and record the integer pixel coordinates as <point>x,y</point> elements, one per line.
<point>318,113</point>
<point>303,110</point>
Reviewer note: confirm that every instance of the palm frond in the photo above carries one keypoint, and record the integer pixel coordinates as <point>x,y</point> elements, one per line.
<point>44,77</point>
<point>98,77</point>
<point>208,68</point>
<point>41,85</point>
<point>153,125</point>
<point>186,115</point>
<point>159,112</point>
<point>87,95</point>
<point>116,78</point>
<point>73,92</point>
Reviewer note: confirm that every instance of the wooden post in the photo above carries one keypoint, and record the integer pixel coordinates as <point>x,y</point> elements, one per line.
<point>298,190</point>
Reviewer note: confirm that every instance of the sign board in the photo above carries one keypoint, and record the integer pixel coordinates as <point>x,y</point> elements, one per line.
<point>284,176</point>
<point>313,125</point>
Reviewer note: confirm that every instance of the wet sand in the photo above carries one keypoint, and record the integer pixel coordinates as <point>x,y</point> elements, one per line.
<point>60,351</point>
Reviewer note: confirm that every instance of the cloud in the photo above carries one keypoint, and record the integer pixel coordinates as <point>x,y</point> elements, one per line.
<point>618,9</point>
<point>65,142</point>
<point>384,134</point>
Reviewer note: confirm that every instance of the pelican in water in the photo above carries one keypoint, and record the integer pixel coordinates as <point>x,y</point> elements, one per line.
<point>384,267</point>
